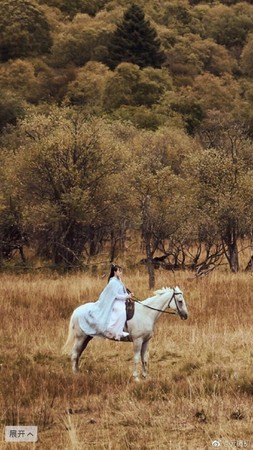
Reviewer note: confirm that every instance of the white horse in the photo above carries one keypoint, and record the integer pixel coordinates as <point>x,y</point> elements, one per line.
<point>140,327</point>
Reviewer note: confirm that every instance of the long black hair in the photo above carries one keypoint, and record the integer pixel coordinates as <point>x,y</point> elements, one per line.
<point>114,268</point>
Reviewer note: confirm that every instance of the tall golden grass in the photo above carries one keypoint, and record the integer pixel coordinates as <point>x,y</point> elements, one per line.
<point>200,386</point>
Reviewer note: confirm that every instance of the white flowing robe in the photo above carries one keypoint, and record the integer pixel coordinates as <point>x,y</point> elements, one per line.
<point>106,317</point>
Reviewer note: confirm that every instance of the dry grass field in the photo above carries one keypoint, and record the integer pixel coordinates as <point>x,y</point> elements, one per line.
<point>200,387</point>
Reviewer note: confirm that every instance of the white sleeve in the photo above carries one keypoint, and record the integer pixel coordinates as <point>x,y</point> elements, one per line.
<point>116,290</point>
<point>122,297</point>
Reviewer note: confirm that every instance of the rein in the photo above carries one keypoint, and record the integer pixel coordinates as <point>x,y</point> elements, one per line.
<point>136,300</point>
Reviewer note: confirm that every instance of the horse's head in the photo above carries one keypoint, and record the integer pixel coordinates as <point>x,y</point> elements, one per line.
<point>177,303</point>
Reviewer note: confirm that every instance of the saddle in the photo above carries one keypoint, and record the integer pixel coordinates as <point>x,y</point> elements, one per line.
<point>129,308</point>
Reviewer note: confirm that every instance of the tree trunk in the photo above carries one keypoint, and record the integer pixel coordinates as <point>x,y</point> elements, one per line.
<point>249,266</point>
<point>147,237</point>
<point>150,266</point>
<point>231,252</point>
<point>22,254</point>
<point>233,257</point>
<point>113,248</point>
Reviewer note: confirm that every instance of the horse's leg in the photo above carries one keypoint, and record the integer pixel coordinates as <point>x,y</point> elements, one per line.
<point>80,344</point>
<point>137,356</point>
<point>144,358</point>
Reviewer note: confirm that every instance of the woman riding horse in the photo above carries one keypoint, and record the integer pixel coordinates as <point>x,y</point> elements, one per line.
<point>107,316</point>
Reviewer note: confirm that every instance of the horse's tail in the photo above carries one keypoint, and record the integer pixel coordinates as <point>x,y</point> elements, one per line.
<point>70,337</point>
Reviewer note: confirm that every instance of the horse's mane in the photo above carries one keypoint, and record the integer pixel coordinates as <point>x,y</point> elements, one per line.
<point>162,291</point>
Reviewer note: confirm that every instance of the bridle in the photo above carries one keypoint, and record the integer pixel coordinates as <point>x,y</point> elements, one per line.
<point>161,310</point>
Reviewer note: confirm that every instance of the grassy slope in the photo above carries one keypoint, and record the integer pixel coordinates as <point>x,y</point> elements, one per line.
<point>200,386</point>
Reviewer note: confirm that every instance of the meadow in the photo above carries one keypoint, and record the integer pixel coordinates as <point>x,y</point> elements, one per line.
<point>199,390</point>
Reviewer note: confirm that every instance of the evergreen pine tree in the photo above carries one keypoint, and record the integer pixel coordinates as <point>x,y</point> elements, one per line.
<point>135,41</point>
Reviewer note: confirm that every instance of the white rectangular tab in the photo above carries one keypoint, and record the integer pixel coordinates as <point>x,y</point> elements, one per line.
<point>19,433</point>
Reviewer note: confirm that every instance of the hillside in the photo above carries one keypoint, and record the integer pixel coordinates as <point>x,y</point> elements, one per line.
<point>158,94</point>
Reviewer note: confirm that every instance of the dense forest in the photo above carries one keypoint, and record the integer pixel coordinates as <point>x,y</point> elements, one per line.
<point>122,119</point>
